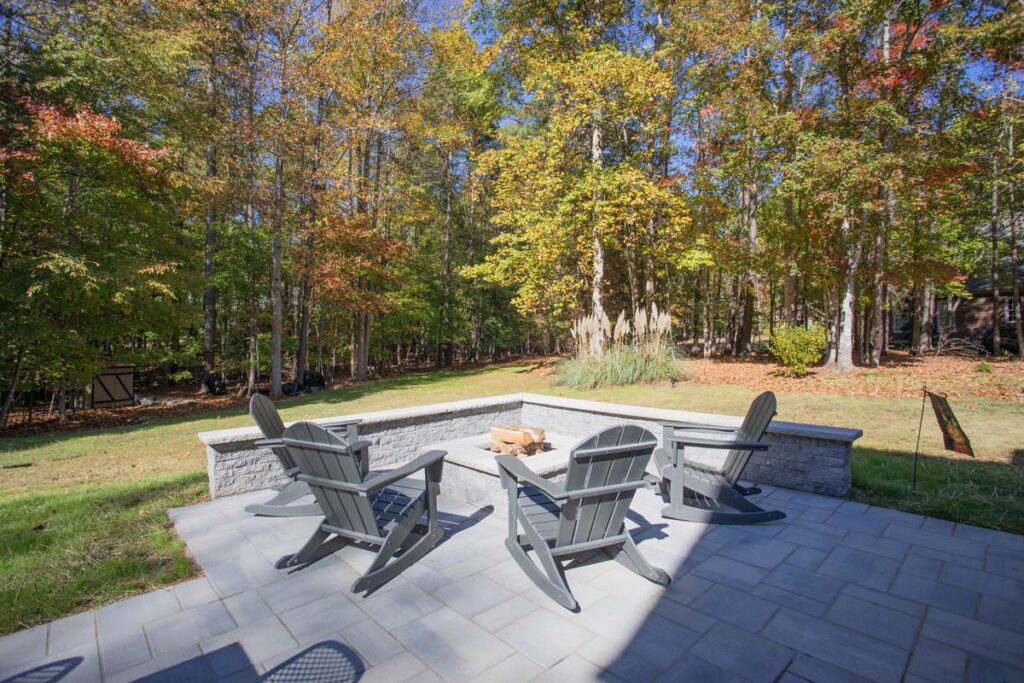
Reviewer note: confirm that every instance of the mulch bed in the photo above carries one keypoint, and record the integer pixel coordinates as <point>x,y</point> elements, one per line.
<point>900,376</point>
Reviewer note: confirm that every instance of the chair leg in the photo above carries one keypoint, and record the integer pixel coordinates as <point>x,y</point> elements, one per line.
<point>738,510</point>
<point>308,551</point>
<point>387,565</point>
<point>551,583</point>
<point>278,506</point>
<point>629,556</point>
<point>552,580</point>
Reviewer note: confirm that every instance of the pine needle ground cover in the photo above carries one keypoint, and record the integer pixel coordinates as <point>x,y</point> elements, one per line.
<point>83,515</point>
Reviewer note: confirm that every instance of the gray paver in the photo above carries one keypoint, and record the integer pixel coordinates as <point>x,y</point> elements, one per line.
<point>938,662</point>
<point>934,594</point>
<point>806,558</point>
<point>397,605</point>
<point>989,536</point>
<point>253,643</point>
<point>374,644</point>
<point>730,572</point>
<point>332,613</point>
<point>247,607</point>
<point>879,546</point>
<point>876,621</point>
<point>513,669</point>
<point>981,670</point>
<point>471,652</point>
<point>856,566</point>
<point>946,544</point>
<point>809,538</point>
<point>70,632</point>
<point>738,608</point>
<point>742,653</point>
<point>813,587</point>
<point>765,553</point>
<point>839,646</point>
<point>925,567</point>
<point>689,668</point>
<point>1003,613</point>
<point>544,637</point>
<point>1011,567</point>
<point>986,583</point>
<point>784,598</point>
<point>194,593</point>
<point>473,595</point>
<point>189,627</point>
<point>402,667</point>
<point>811,669</point>
<point>975,636</point>
<point>809,584</point>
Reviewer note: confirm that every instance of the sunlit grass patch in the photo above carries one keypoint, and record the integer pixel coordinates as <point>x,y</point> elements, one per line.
<point>61,552</point>
<point>956,488</point>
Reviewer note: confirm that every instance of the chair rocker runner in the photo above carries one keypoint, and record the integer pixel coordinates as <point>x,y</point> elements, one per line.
<point>702,493</point>
<point>383,510</point>
<point>587,514</point>
<point>269,422</point>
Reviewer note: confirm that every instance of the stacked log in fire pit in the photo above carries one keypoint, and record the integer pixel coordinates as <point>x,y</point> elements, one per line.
<point>517,440</point>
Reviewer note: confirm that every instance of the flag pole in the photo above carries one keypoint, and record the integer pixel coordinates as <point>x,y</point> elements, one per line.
<point>917,448</point>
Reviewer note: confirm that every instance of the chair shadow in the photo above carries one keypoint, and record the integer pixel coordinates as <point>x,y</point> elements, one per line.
<point>450,523</point>
<point>51,672</point>
<point>325,662</point>
<point>328,661</point>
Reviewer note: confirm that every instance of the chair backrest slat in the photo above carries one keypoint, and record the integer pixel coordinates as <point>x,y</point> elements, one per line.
<point>754,426</point>
<point>269,421</point>
<point>626,450</point>
<point>343,509</point>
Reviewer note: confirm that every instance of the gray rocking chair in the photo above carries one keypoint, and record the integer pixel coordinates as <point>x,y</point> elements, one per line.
<point>269,422</point>
<point>587,514</point>
<point>703,493</point>
<point>383,510</point>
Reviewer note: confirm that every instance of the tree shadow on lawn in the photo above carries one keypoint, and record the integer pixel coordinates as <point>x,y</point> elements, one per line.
<point>954,487</point>
<point>345,394</point>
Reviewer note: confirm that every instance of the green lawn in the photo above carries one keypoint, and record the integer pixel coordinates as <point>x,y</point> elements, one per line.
<point>82,514</point>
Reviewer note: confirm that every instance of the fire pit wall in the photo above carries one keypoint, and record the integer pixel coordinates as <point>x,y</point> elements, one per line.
<point>803,456</point>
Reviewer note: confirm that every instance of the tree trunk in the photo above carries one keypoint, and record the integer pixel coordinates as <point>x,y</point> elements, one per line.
<point>745,328</point>
<point>210,295</point>
<point>596,297</point>
<point>276,284</point>
<point>878,284</point>
<point>13,390</point>
<point>997,317</point>
<point>844,331</point>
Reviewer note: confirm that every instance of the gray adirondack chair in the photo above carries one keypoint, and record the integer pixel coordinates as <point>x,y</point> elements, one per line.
<point>382,510</point>
<point>698,492</point>
<point>586,514</point>
<point>284,504</point>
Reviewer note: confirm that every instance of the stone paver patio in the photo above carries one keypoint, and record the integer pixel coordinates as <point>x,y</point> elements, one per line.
<point>837,592</point>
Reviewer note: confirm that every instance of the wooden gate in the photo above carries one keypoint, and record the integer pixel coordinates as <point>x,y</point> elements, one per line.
<point>114,386</point>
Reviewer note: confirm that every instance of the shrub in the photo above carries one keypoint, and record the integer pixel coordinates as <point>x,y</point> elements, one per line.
<point>985,366</point>
<point>637,351</point>
<point>618,365</point>
<point>797,347</point>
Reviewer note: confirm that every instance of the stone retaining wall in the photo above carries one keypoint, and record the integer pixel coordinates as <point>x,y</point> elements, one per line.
<point>806,457</point>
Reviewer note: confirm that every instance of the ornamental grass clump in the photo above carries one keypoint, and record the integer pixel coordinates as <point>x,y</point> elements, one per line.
<point>797,348</point>
<point>637,352</point>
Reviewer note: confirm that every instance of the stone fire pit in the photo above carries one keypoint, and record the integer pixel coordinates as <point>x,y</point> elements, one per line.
<point>803,456</point>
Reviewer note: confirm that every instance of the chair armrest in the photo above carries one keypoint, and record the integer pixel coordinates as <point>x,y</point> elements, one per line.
<point>268,443</point>
<point>359,445</point>
<point>313,445</point>
<point>715,443</point>
<point>520,473</point>
<point>342,426</point>
<point>698,427</point>
<point>421,462</point>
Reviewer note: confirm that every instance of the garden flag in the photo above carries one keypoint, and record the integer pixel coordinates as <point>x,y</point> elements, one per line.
<point>953,436</point>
